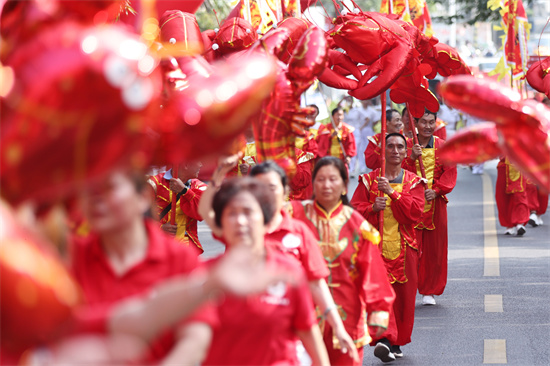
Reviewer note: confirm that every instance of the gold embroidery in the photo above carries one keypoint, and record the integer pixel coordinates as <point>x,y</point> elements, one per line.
<point>391,247</point>
<point>428,158</point>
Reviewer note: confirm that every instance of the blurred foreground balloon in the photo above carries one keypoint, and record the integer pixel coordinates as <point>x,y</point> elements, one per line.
<point>538,76</point>
<point>522,125</point>
<point>281,118</point>
<point>81,103</point>
<point>471,145</point>
<point>37,293</point>
<point>203,119</point>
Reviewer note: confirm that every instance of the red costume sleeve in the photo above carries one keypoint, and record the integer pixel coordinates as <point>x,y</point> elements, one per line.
<point>348,141</point>
<point>310,145</point>
<point>323,141</point>
<point>407,208</point>
<point>302,178</point>
<point>447,179</point>
<point>372,153</point>
<point>361,201</point>
<point>189,202</point>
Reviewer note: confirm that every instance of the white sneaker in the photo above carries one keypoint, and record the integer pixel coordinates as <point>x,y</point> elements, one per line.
<point>428,300</point>
<point>520,230</point>
<point>383,352</point>
<point>511,231</point>
<point>539,220</point>
<point>533,220</point>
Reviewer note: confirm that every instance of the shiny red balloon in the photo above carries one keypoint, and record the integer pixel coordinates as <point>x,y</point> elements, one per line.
<point>538,76</point>
<point>38,294</point>
<point>523,125</point>
<point>81,105</point>
<point>203,119</point>
<point>472,145</point>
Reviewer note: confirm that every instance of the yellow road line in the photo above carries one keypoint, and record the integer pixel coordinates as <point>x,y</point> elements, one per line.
<point>494,351</point>
<point>493,304</point>
<point>490,249</point>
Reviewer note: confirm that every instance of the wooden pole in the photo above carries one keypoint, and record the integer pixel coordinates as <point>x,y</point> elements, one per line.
<point>174,197</point>
<point>415,140</point>
<point>383,127</point>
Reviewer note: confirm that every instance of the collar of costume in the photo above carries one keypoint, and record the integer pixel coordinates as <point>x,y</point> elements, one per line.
<point>327,215</point>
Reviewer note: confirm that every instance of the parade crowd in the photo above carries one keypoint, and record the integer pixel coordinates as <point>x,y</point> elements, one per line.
<point>309,276</point>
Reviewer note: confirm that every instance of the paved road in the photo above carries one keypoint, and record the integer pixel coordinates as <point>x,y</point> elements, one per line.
<point>495,308</point>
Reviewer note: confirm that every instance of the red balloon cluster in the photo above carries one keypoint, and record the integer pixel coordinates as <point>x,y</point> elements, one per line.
<point>523,126</point>
<point>80,106</point>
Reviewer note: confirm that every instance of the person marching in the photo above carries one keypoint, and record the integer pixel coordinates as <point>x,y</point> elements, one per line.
<point>188,190</point>
<point>511,197</point>
<point>431,233</point>
<point>538,204</point>
<point>295,239</point>
<point>402,206</point>
<point>257,329</point>
<point>348,242</point>
<point>372,152</point>
<point>336,138</point>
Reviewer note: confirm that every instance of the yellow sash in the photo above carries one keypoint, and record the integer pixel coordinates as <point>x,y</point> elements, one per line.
<point>428,158</point>
<point>391,246</point>
<point>335,149</point>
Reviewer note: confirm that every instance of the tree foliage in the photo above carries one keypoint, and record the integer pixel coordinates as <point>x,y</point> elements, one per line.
<point>469,11</point>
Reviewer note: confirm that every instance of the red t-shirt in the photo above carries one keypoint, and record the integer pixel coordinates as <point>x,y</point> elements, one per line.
<point>260,329</point>
<point>102,288</point>
<point>294,238</point>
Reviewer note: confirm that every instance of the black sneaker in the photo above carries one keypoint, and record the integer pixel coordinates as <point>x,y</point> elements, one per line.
<point>383,352</point>
<point>396,350</point>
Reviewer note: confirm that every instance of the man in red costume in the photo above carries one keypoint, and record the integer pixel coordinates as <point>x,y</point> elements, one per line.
<point>399,247</point>
<point>189,191</point>
<point>511,197</point>
<point>538,203</point>
<point>330,141</point>
<point>394,124</point>
<point>431,231</point>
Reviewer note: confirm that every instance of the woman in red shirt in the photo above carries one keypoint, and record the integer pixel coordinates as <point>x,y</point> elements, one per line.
<point>295,239</point>
<point>357,277</point>
<point>258,329</point>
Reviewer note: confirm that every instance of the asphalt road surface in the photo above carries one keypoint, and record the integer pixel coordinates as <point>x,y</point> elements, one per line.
<point>496,306</point>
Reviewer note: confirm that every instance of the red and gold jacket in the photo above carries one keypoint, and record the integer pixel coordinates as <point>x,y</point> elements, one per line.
<point>440,129</point>
<point>187,210</point>
<point>357,279</point>
<point>515,182</point>
<point>329,146</point>
<point>441,177</point>
<point>403,211</point>
<point>301,186</point>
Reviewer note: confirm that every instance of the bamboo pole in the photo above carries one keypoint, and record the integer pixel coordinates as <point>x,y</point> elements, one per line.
<point>174,197</point>
<point>383,127</point>
<point>415,140</point>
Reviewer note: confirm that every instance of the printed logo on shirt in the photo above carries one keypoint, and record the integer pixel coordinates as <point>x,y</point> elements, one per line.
<point>275,294</point>
<point>291,241</point>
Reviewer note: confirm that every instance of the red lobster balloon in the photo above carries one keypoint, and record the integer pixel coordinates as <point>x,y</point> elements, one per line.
<point>281,117</point>
<point>81,104</point>
<point>523,125</point>
<point>538,76</point>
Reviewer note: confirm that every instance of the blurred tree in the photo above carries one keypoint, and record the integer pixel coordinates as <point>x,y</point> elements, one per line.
<point>470,11</point>
<point>213,11</point>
